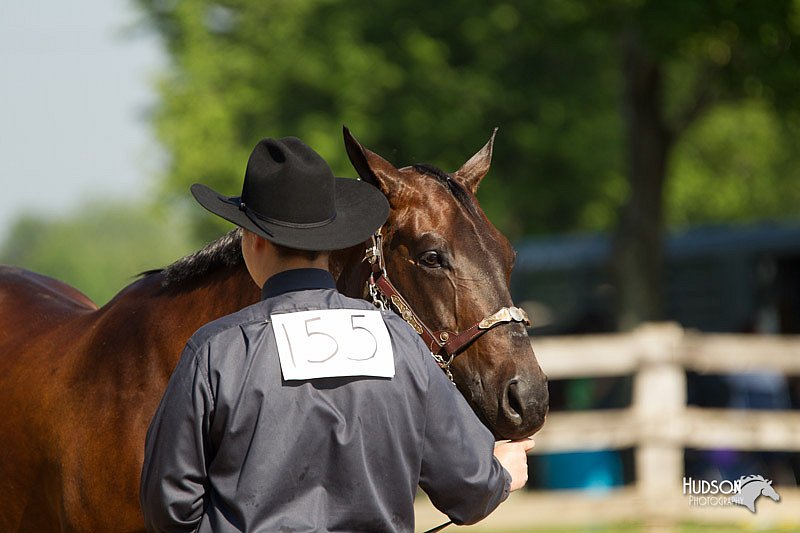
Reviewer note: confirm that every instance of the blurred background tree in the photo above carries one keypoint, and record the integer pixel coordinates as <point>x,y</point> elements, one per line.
<point>678,60</point>
<point>625,116</point>
<point>413,81</point>
<point>98,249</point>
<point>599,105</point>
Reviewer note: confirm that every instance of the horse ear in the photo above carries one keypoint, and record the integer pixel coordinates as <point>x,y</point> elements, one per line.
<point>371,167</point>
<point>472,172</point>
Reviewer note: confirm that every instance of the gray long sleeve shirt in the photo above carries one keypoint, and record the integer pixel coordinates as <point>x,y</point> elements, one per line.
<point>235,447</point>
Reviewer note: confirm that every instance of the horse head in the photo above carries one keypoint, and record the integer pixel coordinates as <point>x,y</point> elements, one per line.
<point>453,267</point>
<point>750,488</point>
<point>768,491</point>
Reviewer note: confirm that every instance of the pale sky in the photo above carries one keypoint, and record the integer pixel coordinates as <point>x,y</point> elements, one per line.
<point>75,83</point>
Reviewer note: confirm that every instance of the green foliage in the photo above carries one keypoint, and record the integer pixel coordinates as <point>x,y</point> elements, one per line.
<point>99,249</point>
<point>412,82</point>
<point>736,164</point>
<point>417,81</point>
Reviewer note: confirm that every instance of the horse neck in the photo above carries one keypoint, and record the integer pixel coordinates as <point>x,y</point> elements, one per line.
<point>217,294</point>
<point>168,315</point>
<point>177,312</point>
<point>228,289</point>
<point>183,310</point>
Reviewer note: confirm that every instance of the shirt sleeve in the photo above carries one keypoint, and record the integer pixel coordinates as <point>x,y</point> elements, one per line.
<point>173,488</point>
<point>459,472</point>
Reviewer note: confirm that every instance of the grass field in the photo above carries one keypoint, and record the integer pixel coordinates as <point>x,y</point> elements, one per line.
<point>637,528</point>
<point>624,512</point>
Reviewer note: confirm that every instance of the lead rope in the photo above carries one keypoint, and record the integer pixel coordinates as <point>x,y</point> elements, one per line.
<point>439,528</point>
<point>378,299</point>
<point>374,256</point>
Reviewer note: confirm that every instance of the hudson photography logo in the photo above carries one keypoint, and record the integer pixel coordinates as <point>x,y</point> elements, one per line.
<point>744,491</point>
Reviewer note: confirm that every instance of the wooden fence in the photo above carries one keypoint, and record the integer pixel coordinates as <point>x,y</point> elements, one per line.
<point>658,426</point>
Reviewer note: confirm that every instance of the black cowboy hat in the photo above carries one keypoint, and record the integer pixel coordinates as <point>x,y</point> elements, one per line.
<point>291,197</point>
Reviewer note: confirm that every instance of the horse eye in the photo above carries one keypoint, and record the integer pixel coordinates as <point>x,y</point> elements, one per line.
<point>430,259</point>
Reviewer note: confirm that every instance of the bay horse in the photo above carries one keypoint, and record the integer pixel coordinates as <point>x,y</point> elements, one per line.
<point>80,384</point>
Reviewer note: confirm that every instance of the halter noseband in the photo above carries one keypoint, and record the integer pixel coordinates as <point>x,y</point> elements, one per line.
<point>444,345</point>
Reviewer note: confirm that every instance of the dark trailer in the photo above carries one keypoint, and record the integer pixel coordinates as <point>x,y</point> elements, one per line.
<point>716,279</point>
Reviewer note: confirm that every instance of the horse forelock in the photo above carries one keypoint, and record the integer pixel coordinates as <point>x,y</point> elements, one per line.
<point>483,228</point>
<point>456,189</point>
<point>223,252</point>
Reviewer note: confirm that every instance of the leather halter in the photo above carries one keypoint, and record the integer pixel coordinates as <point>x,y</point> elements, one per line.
<point>444,345</point>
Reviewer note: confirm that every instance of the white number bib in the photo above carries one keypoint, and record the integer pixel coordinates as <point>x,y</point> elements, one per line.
<point>333,343</point>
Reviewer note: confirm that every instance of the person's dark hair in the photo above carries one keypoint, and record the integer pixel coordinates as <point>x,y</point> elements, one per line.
<point>286,253</point>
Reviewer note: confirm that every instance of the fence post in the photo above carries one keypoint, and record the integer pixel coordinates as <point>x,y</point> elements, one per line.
<point>659,402</point>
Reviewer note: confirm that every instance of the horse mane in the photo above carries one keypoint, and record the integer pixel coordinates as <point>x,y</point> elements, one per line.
<point>455,188</point>
<point>223,252</point>
<point>745,480</point>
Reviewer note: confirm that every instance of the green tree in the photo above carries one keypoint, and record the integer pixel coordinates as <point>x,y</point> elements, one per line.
<point>737,163</point>
<point>599,104</point>
<point>678,60</point>
<point>99,248</point>
<point>414,82</point>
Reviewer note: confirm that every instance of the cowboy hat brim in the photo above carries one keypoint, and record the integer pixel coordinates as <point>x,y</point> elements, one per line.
<point>360,210</point>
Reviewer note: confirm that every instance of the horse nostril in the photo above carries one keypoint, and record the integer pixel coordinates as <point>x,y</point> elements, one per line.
<point>523,407</point>
<point>513,405</point>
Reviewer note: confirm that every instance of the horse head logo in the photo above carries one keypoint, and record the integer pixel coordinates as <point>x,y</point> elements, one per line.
<point>750,488</point>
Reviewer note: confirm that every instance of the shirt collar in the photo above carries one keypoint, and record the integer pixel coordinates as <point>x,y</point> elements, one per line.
<point>298,279</point>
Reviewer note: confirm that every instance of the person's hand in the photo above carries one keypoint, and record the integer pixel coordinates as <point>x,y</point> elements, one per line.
<point>513,455</point>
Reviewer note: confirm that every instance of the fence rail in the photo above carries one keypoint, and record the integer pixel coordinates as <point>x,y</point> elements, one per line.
<point>658,425</point>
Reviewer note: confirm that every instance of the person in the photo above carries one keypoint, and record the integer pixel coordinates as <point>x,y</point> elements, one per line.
<point>309,410</point>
